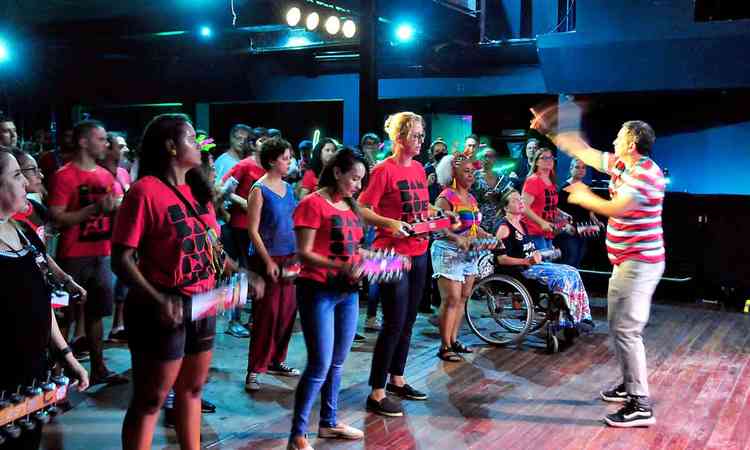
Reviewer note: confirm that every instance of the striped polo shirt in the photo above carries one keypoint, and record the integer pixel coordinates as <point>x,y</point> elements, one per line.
<point>636,234</point>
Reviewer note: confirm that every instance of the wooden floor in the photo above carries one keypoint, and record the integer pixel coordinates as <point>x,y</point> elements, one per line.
<point>500,398</point>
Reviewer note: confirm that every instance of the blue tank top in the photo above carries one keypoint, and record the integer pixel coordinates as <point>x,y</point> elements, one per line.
<point>276,225</point>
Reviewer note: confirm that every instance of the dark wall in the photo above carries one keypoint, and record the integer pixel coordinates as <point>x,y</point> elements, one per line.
<point>703,138</point>
<point>626,45</point>
<point>297,121</point>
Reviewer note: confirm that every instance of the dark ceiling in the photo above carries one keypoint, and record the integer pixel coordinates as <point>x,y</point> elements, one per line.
<point>111,19</point>
<point>65,32</point>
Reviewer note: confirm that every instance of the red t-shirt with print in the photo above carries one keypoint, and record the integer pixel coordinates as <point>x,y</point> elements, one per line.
<point>74,188</point>
<point>172,244</point>
<point>337,237</point>
<point>31,218</point>
<point>246,172</point>
<point>309,181</point>
<point>398,192</point>
<point>544,204</point>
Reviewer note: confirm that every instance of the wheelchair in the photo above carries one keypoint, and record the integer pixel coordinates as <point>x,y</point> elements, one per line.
<point>505,309</point>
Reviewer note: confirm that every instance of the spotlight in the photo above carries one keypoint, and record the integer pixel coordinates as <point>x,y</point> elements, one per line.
<point>312,21</point>
<point>206,32</point>
<point>4,52</point>
<point>293,16</point>
<point>405,32</point>
<point>349,28</point>
<point>333,25</point>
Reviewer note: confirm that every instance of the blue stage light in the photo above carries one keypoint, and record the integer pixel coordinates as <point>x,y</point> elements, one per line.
<point>405,32</point>
<point>206,32</point>
<point>4,51</point>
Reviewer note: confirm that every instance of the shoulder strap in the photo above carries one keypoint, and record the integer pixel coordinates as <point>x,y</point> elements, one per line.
<point>189,206</point>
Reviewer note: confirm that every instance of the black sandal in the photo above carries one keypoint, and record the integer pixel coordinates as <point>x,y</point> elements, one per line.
<point>459,347</point>
<point>447,354</point>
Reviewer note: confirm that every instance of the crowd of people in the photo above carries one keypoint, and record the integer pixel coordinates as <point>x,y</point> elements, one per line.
<point>140,237</point>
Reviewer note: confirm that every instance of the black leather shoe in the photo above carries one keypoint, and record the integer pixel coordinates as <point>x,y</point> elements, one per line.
<point>405,391</point>
<point>207,407</point>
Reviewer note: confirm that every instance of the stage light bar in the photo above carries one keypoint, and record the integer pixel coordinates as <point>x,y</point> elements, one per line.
<point>340,21</point>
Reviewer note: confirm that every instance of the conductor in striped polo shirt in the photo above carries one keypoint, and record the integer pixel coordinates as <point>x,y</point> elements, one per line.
<point>634,246</point>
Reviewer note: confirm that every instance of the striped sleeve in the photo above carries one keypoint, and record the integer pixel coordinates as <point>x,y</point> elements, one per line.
<point>645,182</point>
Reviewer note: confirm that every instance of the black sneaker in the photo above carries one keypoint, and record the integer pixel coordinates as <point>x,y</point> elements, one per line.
<point>617,394</point>
<point>385,407</point>
<point>635,413</point>
<point>358,337</point>
<point>283,370</point>
<point>405,391</point>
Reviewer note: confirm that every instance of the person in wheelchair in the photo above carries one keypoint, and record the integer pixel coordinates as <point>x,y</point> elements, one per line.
<point>568,295</point>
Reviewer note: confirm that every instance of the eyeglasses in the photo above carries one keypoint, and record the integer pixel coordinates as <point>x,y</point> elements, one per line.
<point>547,158</point>
<point>32,170</point>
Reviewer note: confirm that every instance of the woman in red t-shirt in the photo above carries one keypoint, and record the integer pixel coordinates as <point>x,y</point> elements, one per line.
<point>168,219</point>
<point>321,154</point>
<point>329,230</point>
<point>540,198</point>
<point>395,196</point>
<point>34,215</point>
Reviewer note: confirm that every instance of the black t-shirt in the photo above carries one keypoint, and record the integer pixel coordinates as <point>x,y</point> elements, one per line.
<point>25,315</point>
<point>579,214</point>
<point>517,244</point>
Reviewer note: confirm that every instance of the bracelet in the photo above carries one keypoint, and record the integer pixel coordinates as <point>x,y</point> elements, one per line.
<point>62,352</point>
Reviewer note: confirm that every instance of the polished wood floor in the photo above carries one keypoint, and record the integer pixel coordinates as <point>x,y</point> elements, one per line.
<point>500,398</point>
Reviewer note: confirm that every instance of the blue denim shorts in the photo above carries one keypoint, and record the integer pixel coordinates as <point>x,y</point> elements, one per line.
<point>450,262</point>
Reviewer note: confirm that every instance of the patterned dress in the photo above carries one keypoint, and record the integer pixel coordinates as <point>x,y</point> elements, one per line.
<point>488,207</point>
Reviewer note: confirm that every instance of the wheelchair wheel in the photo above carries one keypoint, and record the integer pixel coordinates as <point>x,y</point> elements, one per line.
<point>500,310</point>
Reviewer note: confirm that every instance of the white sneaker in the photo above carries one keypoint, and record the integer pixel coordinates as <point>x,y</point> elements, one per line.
<point>341,432</point>
<point>251,382</point>
<point>373,324</point>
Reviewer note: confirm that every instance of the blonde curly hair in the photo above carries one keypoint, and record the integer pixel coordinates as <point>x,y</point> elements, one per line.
<point>398,125</point>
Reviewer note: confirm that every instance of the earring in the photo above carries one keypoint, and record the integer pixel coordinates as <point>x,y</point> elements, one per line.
<point>173,152</point>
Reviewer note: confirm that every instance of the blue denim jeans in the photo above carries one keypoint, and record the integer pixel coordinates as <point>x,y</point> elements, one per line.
<point>573,249</point>
<point>329,321</point>
<point>540,242</point>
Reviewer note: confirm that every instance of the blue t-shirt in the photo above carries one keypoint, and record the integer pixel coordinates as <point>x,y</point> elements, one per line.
<point>224,164</point>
